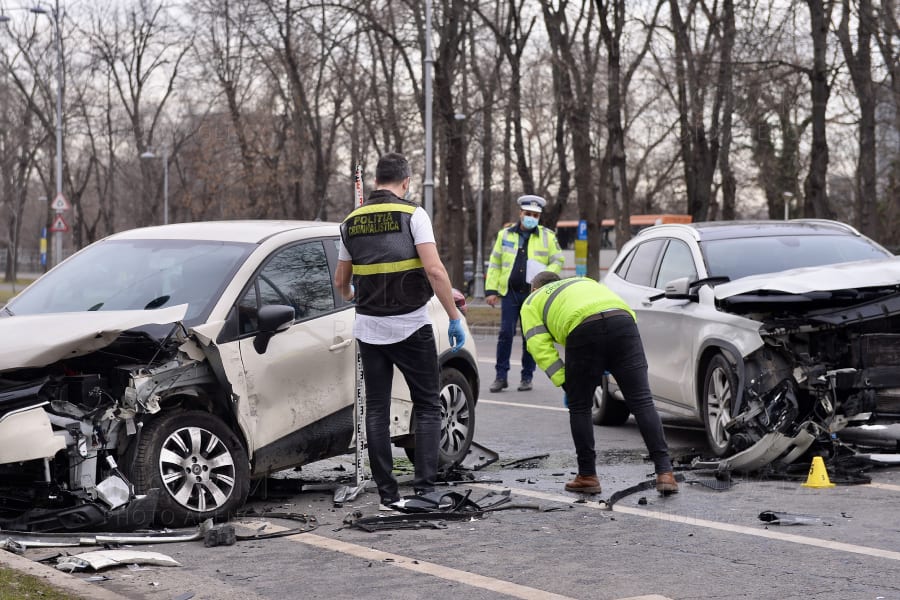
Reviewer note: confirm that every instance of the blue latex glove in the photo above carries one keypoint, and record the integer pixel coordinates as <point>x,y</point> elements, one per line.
<point>457,335</point>
<point>565,400</point>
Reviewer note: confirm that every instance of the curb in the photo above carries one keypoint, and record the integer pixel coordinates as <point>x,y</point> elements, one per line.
<point>56,578</point>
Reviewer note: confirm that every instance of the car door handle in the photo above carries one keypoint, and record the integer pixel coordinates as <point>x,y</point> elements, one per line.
<point>341,345</point>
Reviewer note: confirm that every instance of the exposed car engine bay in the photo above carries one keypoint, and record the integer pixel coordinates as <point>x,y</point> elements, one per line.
<point>70,430</point>
<point>829,360</point>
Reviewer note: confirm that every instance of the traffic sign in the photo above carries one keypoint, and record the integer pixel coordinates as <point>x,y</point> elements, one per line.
<point>60,204</point>
<point>59,225</point>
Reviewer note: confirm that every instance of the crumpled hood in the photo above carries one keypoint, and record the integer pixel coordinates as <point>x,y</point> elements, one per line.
<point>843,276</point>
<point>40,340</point>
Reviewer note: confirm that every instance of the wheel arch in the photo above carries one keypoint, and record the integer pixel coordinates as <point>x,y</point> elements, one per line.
<point>708,349</point>
<point>465,363</point>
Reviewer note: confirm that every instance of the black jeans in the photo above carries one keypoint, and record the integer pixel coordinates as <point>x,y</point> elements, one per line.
<point>612,344</point>
<point>416,357</point>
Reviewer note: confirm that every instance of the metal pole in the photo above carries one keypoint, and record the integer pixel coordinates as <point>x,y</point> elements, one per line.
<point>57,235</point>
<point>165,158</point>
<point>479,269</point>
<point>429,171</point>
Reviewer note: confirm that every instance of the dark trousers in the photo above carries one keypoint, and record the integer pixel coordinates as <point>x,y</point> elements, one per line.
<point>612,344</point>
<point>510,305</point>
<point>416,358</point>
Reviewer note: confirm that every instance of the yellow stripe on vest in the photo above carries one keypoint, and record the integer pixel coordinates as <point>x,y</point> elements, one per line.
<point>384,207</point>
<point>389,267</point>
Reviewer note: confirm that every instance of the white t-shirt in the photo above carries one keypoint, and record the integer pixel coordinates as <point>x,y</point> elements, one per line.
<point>395,328</point>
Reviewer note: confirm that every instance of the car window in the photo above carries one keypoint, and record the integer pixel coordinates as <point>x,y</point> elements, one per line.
<point>297,276</point>
<point>643,263</point>
<point>676,262</point>
<point>739,257</point>
<point>140,274</point>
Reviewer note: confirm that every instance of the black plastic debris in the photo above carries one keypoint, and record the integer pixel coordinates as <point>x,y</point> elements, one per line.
<point>640,487</point>
<point>528,462</point>
<point>782,518</point>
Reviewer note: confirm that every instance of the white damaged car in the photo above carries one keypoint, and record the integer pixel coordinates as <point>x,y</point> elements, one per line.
<point>155,373</point>
<point>773,334</point>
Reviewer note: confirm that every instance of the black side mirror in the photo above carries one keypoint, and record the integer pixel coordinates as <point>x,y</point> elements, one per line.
<point>272,319</point>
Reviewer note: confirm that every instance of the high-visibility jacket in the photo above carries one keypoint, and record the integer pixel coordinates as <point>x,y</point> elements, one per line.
<point>542,247</point>
<point>387,272</point>
<point>550,314</point>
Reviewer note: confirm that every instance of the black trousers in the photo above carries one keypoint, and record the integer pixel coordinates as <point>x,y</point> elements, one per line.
<point>611,344</point>
<point>416,358</point>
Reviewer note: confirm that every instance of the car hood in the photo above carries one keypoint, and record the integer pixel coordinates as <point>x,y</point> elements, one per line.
<point>40,340</point>
<point>843,276</point>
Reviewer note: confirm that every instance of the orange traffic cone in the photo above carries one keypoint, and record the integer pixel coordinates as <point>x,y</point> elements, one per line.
<point>818,475</point>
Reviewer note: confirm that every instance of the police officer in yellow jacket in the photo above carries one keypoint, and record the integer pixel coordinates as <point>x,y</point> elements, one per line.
<point>520,252</point>
<point>598,330</point>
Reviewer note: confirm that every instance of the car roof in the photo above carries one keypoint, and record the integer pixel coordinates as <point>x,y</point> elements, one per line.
<point>721,230</point>
<point>253,232</point>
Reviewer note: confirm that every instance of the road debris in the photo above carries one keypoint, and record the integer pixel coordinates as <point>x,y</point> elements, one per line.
<point>101,559</point>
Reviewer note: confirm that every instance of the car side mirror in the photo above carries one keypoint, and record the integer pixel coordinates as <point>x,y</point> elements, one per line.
<point>680,289</point>
<point>272,319</point>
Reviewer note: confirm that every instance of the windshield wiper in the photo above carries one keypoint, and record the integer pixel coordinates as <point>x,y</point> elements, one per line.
<point>157,302</point>
<point>95,307</point>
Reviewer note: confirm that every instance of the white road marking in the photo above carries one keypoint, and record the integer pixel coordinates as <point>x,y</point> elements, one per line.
<point>522,405</point>
<point>426,568</point>
<point>764,533</point>
<point>883,486</point>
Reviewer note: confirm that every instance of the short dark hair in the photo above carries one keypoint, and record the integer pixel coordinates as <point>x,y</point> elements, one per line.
<point>543,278</point>
<point>392,168</point>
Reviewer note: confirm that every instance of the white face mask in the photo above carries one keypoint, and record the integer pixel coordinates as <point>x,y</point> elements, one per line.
<point>529,222</point>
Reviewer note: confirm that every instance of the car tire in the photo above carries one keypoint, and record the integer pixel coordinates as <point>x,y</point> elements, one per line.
<point>607,410</point>
<point>198,464</point>
<point>719,389</point>
<point>457,419</point>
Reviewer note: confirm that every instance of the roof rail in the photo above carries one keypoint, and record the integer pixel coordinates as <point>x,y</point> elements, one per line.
<point>849,228</point>
<point>687,227</point>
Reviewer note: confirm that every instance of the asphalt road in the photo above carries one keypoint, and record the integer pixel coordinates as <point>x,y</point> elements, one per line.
<point>699,543</point>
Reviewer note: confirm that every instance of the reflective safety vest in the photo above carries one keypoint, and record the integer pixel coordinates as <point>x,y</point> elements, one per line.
<point>542,247</point>
<point>550,314</point>
<point>387,271</point>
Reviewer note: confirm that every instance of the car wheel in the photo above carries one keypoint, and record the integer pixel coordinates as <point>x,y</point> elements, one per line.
<point>719,388</point>
<point>198,464</point>
<point>457,418</point>
<point>608,410</point>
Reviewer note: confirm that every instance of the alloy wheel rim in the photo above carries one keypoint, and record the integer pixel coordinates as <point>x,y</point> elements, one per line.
<point>454,419</point>
<point>197,469</point>
<point>718,406</point>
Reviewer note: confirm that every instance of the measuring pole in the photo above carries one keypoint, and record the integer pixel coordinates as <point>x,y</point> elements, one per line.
<point>360,382</point>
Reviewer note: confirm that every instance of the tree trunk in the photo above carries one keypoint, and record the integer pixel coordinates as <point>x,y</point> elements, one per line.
<point>815,187</point>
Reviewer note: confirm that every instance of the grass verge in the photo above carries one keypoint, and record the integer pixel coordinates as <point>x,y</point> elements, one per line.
<point>18,586</point>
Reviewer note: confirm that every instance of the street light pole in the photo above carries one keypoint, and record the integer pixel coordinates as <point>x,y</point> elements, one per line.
<point>165,161</point>
<point>429,160</point>
<point>53,13</point>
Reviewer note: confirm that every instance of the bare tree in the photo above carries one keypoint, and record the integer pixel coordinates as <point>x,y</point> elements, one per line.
<point>859,63</point>
<point>576,56</point>
<point>815,190</point>
<point>138,47</point>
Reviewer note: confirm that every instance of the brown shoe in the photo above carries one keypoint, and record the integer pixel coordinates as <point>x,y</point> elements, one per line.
<point>585,484</point>
<point>666,484</point>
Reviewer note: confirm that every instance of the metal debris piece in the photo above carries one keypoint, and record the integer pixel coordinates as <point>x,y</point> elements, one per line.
<point>640,487</point>
<point>57,540</point>
<point>102,559</point>
<point>220,535</point>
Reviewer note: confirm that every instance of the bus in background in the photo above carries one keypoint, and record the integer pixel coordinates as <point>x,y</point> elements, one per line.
<point>566,232</point>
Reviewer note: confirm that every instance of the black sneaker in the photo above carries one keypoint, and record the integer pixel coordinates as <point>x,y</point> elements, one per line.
<point>525,386</point>
<point>499,384</point>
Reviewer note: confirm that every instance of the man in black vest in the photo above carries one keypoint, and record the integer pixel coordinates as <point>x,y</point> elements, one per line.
<point>388,250</point>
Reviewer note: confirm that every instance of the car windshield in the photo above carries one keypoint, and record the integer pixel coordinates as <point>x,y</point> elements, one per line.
<point>740,257</point>
<point>136,275</point>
